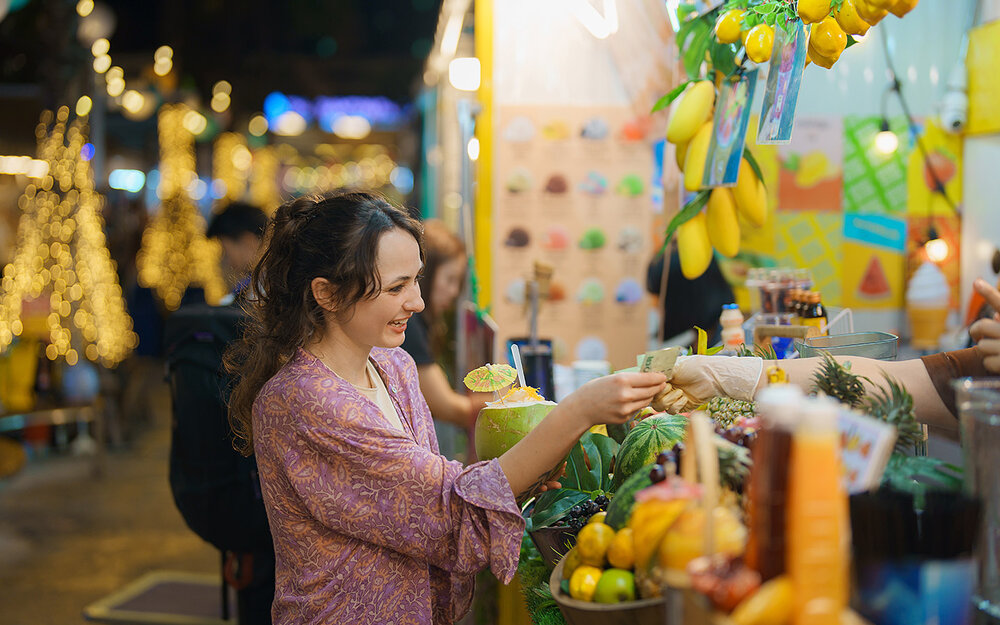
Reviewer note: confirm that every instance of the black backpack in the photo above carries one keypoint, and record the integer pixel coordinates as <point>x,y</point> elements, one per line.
<point>215,488</point>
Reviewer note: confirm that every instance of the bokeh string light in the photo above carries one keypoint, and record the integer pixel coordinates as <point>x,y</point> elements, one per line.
<point>264,191</point>
<point>175,253</point>
<point>62,255</point>
<point>231,162</point>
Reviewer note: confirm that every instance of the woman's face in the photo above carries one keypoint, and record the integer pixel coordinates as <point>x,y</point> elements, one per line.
<point>447,284</point>
<point>381,321</point>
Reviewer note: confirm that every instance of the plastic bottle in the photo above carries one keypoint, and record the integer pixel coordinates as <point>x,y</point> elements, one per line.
<point>777,406</point>
<point>817,518</point>
<point>733,336</point>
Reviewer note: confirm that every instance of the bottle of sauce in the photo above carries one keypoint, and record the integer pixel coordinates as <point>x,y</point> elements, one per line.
<point>817,518</point>
<point>814,313</point>
<point>778,406</point>
<point>791,305</point>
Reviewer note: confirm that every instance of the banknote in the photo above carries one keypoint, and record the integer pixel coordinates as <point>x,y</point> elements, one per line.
<point>662,361</point>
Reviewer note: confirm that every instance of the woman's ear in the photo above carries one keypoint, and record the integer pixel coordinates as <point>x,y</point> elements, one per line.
<point>324,293</point>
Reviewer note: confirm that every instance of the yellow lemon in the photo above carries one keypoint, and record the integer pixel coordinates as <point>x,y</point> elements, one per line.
<point>819,59</point>
<point>583,582</point>
<point>900,8</point>
<point>570,563</point>
<point>813,10</point>
<point>848,18</point>
<point>621,551</point>
<point>760,41</point>
<point>869,12</point>
<point>828,38</point>
<point>598,517</point>
<point>593,541</point>
<point>727,27</point>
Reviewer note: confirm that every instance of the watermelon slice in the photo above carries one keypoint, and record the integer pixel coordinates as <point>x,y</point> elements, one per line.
<point>874,284</point>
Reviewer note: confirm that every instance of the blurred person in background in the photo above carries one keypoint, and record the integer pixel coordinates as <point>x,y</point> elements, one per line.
<point>426,337</point>
<point>689,303</point>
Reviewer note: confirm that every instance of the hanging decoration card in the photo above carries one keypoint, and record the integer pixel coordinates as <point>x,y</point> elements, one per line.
<point>732,116</point>
<point>788,59</point>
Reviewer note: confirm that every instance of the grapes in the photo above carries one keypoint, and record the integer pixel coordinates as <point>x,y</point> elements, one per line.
<point>657,474</point>
<point>575,511</point>
<point>602,501</point>
<point>591,508</point>
<point>666,457</point>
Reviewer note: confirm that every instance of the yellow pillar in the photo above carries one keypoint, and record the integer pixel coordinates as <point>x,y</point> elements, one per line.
<point>484,170</point>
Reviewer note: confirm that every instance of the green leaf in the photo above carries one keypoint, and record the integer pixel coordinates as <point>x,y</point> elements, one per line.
<point>723,57</point>
<point>918,474</point>
<point>578,476</point>
<point>668,99</point>
<point>686,214</point>
<point>600,449</point>
<point>754,165</point>
<point>694,55</point>
<point>553,505</point>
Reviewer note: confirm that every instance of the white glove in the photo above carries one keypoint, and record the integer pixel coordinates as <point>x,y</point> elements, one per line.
<point>700,378</point>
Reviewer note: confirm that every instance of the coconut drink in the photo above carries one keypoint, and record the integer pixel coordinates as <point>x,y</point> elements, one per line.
<point>502,423</point>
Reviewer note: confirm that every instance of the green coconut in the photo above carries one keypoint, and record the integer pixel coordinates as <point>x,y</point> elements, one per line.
<point>501,424</point>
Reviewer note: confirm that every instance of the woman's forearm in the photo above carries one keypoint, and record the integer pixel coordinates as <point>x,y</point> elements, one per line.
<point>911,374</point>
<point>528,463</point>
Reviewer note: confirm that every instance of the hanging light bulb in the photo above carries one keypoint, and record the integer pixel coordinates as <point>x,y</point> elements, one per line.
<point>886,141</point>
<point>937,248</point>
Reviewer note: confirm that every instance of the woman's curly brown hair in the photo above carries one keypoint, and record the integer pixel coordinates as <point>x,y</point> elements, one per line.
<point>332,236</point>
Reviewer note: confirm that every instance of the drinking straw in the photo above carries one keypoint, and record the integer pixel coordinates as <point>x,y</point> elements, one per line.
<point>517,363</point>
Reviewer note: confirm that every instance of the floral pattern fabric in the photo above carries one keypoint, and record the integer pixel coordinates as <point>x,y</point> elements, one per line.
<point>370,524</point>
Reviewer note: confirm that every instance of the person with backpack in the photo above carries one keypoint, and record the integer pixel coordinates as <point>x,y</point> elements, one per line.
<point>217,489</point>
<point>370,523</point>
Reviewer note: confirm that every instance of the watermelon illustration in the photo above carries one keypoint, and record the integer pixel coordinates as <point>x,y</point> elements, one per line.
<point>874,284</point>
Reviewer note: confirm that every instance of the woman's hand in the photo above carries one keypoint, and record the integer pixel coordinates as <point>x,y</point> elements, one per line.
<point>986,332</point>
<point>613,398</point>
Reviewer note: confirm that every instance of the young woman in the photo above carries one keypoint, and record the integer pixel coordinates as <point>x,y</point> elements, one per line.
<point>370,523</point>
<point>441,284</point>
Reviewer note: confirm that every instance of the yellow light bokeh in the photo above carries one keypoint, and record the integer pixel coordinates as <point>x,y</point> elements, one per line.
<point>84,7</point>
<point>61,255</point>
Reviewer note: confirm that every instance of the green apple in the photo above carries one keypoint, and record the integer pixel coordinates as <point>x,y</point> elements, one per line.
<point>615,586</point>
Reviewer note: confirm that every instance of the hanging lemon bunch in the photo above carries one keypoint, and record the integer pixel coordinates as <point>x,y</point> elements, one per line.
<point>752,24</point>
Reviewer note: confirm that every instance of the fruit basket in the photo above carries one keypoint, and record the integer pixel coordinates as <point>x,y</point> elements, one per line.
<point>576,612</point>
<point>553,542</point>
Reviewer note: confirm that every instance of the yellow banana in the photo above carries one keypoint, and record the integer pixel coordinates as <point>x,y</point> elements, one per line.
<point>694,158</point>
<point>690,110</point>
<point>723,227</point>
<point>750,195</point>
<point>693,246</point>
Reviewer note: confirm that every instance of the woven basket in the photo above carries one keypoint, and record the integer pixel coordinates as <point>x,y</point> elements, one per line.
<point>576,612</point>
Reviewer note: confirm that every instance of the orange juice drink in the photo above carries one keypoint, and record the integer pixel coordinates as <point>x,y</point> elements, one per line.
<point>818,520</point>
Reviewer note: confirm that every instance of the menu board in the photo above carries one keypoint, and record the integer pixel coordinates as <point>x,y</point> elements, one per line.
<point>572,190</point>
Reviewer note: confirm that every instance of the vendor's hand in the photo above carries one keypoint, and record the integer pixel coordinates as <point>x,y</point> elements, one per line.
<point>613,398</point>
<point>701,378</point>
<point>986,332</point>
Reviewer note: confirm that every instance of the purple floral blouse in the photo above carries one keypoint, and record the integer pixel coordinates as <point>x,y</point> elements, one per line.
<point>373,525</point>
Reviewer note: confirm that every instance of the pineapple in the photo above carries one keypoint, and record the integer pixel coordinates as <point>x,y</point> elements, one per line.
<point>725,411</point>
<point>734,464</point>
<point>894,405</point>
<point>837,381</point>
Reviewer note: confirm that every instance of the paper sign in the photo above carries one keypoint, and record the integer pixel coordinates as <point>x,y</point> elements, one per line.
<point>865,447</point>
<point>729,131</point>
<point>788,58</point>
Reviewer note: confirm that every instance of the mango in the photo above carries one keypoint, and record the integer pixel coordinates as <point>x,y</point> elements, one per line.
<point>679,151</point>
<point>750,195</point>
<point>847,16</point>
<point>723,227</point>
<point>689,111</point>
<point>693,246</point>
<point>695,156</point>
<point>870,11</point>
